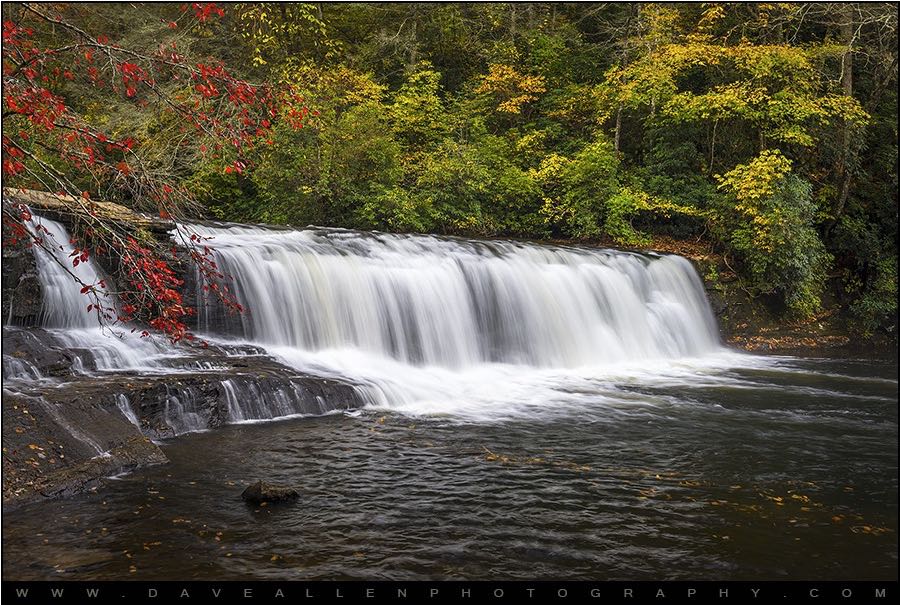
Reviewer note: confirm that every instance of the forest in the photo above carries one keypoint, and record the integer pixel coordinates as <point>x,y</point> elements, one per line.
<point>768,130</point>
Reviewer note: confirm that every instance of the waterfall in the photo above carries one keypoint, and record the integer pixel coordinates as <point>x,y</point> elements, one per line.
<point>414,323</point>
<point>430,301</point>
<point>482,330</point>
<point>63,305</point>
<point>64,308</point>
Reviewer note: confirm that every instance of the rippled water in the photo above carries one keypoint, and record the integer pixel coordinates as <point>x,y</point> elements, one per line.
<point>772,468</point>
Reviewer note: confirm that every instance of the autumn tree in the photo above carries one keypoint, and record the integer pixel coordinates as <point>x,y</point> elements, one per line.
<point>60,77</point>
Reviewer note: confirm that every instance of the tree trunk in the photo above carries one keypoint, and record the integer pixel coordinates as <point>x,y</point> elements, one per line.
<point>848,149</point>
<point>618,136</point>
<point>413,47</point>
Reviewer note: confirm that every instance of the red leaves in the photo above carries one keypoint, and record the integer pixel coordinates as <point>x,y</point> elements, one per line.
<point>12,164</point>
<point>80,256</point>
<point>203,10</point>
<point>155,293</point>
<point>132,75</point>
<point>207,90</point>
<point>220,109</point>
<point>236,166</point>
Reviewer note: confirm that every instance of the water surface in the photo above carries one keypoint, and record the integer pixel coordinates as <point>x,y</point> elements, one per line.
<point>767,468</point>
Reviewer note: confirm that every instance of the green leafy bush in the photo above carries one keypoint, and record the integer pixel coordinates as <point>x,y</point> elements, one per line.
<point>767,219</point>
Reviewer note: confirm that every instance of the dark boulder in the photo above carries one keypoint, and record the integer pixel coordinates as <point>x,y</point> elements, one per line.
<point>261,492</point>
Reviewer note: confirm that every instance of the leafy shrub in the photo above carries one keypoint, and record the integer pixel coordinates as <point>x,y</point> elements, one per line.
<point>877,307</point>
<point>767,218</point>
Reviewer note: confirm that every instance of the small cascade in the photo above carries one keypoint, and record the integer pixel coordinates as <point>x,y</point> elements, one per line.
<point>64,308</point>
<point>183,411</point>
<point>125,407</point>
<point>19,369</point>
<point>250,400</point>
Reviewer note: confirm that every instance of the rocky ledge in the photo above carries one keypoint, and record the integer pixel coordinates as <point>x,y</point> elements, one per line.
<point>66,426</point>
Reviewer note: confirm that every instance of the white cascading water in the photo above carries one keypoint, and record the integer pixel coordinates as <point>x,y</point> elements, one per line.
<point>64,307</point>
<point>456,304</point>
<point>473,329</point>
<point>417,324</point>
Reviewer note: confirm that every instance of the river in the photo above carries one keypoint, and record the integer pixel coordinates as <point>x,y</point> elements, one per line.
<point>526,412</point>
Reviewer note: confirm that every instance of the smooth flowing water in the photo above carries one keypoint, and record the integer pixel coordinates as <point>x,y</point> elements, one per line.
<point>787,470</point>
<point>530,412</point>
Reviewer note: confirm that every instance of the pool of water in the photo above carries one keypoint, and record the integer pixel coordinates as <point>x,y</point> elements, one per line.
<point>783,469</point>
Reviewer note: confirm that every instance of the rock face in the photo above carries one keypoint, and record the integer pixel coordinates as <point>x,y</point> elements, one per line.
<point>21,300</point>
<point>261,492</point>
<point>48,453</point>
<point>66,427</point>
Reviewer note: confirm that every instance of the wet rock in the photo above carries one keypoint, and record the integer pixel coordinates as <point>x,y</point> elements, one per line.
<point>37,348</point>
<point>261,492</point>
<point>57,445</point>
<point>67,430</point>
<point>21,297</point>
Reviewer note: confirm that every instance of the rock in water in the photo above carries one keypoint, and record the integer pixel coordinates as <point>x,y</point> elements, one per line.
<point>261,492</point>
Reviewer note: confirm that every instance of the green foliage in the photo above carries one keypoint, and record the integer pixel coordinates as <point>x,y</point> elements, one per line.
<point>477,188</point>
<point>767,218</point>
<point>417,113</point>
<point>579,121</point>
<point>877,306</point>
<point>579,189</point>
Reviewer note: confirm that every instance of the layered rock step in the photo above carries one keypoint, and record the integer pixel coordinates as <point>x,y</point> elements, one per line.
<point>67,425</point>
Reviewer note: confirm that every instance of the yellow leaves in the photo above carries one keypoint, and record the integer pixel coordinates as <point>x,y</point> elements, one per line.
<point>551,168</point>
<point>650,492</point>
<point>350,86</point>
<point>512,89</point>
<point>711,16</point>
<point>756,180</point>
<point>494,457</point>
<point>871,530</point>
